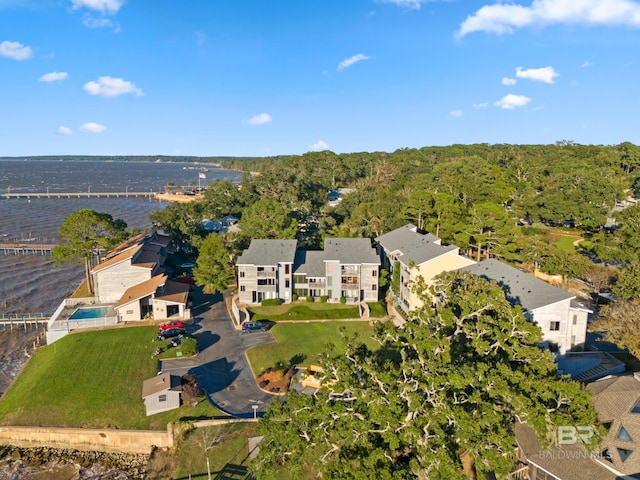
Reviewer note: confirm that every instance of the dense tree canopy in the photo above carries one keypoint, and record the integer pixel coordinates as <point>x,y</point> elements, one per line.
<point>84,233</point>
<point>450,383</point>
<point>214,270</point>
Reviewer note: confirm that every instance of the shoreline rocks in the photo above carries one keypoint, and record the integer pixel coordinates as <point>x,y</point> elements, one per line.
<point>87,464</point>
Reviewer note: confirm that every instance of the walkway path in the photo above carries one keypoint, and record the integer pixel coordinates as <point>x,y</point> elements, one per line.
<point>221,367</point>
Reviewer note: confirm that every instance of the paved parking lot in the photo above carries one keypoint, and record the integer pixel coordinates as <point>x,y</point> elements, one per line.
<point>221,366</point>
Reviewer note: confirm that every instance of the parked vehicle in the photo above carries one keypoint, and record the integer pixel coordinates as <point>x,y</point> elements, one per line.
<point>170,333</point>
<point>176,342</point>
<point>169,325</point>
<point>249,327</point>
<point>187,265</point>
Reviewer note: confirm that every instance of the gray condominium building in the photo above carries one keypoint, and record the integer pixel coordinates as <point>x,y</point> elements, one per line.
<point>346,267</point>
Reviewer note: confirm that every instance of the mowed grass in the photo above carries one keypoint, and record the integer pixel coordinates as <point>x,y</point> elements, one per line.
<point>93,380</point>
<point>305,311</point>
<point>228,459</point>
<point>305,342</point>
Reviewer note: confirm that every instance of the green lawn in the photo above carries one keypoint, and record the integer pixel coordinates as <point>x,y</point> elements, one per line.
<point>305,311</point>
<point>228,459</point>
<point>378,309</point>
<point>305,341</point>
<point>93,380</point>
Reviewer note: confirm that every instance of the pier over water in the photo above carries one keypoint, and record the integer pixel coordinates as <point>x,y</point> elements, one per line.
<point>26,248</point>
<point>29,195</point>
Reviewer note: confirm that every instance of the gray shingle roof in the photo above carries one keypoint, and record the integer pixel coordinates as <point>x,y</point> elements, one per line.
<point>415,247</point>
<point>350,250</point>
<point>268,252</point>
<point>520,287</point>
<point>613,399</point>
<point>345,250</point>
<point>567,462</point>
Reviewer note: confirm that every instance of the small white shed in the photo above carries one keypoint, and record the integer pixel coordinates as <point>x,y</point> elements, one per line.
<point>161,393</point>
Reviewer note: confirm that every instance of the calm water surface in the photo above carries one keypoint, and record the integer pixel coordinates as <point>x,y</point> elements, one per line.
<point>33,283</point>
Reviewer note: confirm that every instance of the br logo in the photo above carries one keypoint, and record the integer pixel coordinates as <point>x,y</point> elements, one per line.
<point>569,435</point>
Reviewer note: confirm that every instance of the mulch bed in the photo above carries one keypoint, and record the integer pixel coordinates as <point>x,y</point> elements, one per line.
<point>275,381</point>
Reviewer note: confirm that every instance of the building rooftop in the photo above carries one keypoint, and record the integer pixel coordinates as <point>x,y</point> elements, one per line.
<point>348,251</point>
<point>268,252</point>
<point>520,287</point>
<point>160,383</point>
<point>409,245</point>
<point>617,401</point>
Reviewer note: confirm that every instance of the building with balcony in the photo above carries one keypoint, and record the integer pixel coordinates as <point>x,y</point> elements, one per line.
<point>418,255</point>
<point>265,270</point>
<point>346,267</point>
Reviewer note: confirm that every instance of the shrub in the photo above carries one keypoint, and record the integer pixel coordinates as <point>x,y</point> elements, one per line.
<point>294,297</point>
<point>309,299</point>
<point>343,299</point>
<point>323,299</point>
<point>270,302</point>
<point>190,389</point>
<point>189,347</point>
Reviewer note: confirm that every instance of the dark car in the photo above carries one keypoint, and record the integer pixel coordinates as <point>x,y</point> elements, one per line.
<point>170,333</point>
<point>178,340</point>
<point>253,327</point>
<point>170,325</point>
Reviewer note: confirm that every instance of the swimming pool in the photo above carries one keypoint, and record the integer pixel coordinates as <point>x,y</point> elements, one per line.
<point>85,313</point>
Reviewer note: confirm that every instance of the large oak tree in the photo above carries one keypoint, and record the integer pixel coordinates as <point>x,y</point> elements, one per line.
<point>450,383</point>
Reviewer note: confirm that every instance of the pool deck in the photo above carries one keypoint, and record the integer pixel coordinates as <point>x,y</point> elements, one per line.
<point>63,320</point>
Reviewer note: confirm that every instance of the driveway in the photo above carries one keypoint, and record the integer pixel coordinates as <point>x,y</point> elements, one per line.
<point>221,367</point>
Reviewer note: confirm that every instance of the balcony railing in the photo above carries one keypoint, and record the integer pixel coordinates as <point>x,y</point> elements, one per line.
<point>267,274</point>
<point>355,270</point>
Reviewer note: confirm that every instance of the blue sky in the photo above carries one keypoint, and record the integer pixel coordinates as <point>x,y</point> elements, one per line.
<point>256,77</point>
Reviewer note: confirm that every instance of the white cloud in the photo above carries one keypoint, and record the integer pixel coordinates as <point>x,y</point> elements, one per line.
<point>111,87</point>
<point>413,4</point>
<point>109,7</point>
<point>346,63</point>
<point>91,127</point>
<point>15,50</point>
<point>509,81</point>
<point>544,74</point>
<point>587,64</point>
<point>481,105</point>
<point>456,113</point>
<point>319,146</point>
<point>509,102</point>
<point>260,119</point>
<point>54,77</point>
<point>62,130</point>
<point>501,18</point>
<point>93,22</point>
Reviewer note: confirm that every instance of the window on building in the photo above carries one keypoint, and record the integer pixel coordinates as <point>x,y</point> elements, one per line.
<point>287,268</point>
<point>374,273</point>
<point>573,340</point>
<point>260,269</point>
<point>329,281</point>
<point>242,288</point>
<point>374,287</point>
<point>555,326</point>
<point>287,283</point>
<point>241,273</point>
<point>636,407</point>
<point>575,318</point>
<point>162,398</point>
<point>624,435</point>
<point>624,454</point>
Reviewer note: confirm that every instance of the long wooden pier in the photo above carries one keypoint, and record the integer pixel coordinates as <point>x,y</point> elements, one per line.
<point>23,319</point>
<point>26,249</point>
<point>37,195</point>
